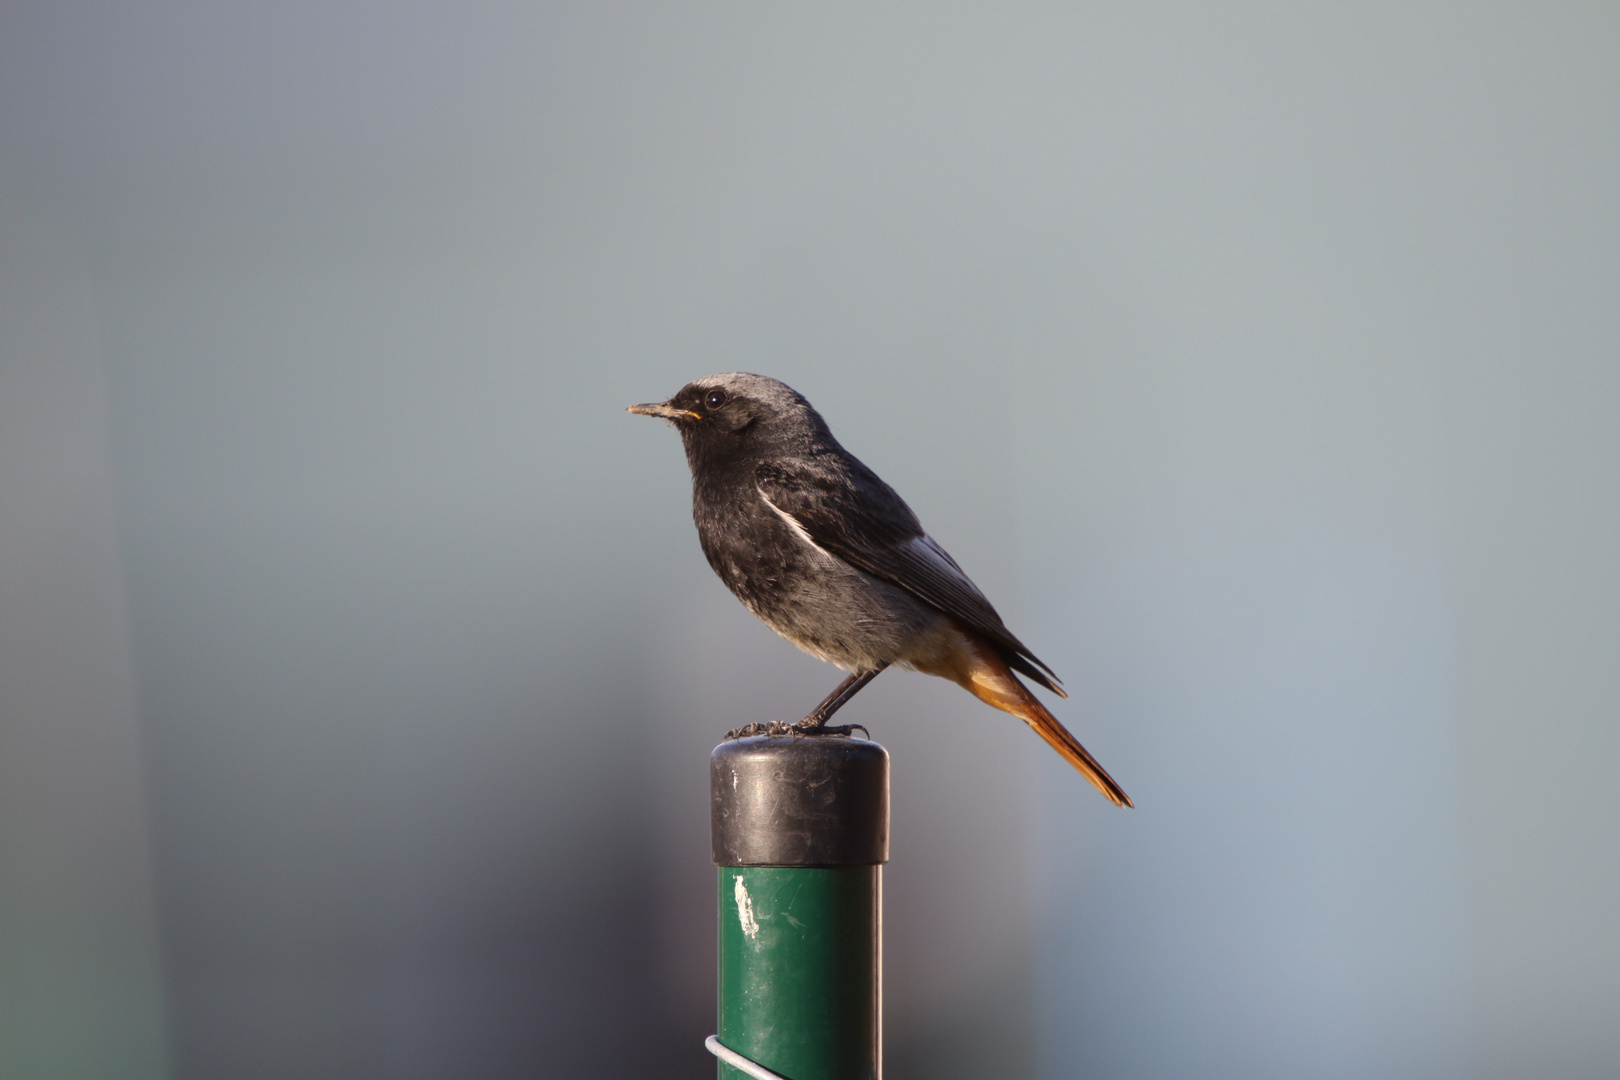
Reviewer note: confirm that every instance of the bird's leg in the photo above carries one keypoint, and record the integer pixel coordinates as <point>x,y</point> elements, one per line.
<point>816,722</point>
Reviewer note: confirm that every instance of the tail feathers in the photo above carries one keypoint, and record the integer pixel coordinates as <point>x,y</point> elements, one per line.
<point>976,665</point>
<point>1045,678</point>
<point>1058,738</point>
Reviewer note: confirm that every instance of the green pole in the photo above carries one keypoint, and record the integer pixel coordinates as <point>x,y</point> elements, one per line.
<point>801,830</point>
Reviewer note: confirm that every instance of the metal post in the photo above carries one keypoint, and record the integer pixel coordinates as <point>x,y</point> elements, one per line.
<point>801,830</point>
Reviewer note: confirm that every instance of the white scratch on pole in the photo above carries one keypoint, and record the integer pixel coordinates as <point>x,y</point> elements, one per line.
<point>745,910</point>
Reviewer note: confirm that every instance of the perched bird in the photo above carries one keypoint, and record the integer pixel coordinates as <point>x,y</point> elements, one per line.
<point>828,556</point>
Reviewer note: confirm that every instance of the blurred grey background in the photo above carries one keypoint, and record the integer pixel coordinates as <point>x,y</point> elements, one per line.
<point>358,665</point>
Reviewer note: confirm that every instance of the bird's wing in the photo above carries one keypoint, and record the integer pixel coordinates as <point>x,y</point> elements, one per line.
<point>852,514</point>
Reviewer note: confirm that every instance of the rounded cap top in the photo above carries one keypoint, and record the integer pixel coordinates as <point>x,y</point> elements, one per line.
<point>799,800</point>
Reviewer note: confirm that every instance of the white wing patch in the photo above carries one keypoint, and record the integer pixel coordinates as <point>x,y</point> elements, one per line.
<point>792,523</point>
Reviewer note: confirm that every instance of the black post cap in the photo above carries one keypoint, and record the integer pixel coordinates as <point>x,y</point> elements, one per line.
<point>785,800</point>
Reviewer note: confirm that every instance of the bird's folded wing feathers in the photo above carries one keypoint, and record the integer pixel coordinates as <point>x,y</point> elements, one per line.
<point>855,516</point>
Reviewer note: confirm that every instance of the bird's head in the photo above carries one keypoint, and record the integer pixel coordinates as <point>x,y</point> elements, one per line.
<point>722,416</point>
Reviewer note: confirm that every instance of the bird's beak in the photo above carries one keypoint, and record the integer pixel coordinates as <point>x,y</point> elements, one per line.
<point>666,410</point>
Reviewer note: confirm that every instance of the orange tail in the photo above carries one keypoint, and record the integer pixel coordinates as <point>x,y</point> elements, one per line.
<point>976,667</point>
<point>1058,738</point>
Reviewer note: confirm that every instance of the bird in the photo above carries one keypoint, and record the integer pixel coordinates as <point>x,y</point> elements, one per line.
<point>831,558</point>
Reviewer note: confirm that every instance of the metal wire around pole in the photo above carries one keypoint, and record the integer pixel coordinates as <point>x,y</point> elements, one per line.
<point>737,1061</point>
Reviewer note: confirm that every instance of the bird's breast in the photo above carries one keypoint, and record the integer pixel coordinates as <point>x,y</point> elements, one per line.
<point>810,596</point>
<point>757,555</point>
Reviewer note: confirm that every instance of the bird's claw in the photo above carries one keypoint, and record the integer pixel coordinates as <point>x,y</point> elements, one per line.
<point>846,730</point>
<point>804,727</point>
<point>775,727</point>
<point>812,725</point>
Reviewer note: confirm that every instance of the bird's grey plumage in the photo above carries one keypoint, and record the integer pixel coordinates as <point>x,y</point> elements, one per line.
<point>801,502</point>
<point>831,558</point>
<point>834,509</point>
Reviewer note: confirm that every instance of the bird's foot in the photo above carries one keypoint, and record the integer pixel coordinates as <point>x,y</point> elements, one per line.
<point>807,726</point>
<point>775,727</point>
<point>810,725</point>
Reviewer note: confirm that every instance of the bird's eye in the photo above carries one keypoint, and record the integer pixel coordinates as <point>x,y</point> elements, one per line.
<point>716,399</point>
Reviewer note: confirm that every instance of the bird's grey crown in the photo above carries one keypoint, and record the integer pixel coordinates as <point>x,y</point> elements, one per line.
<point>780,400</point>
<point>767,413</point>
